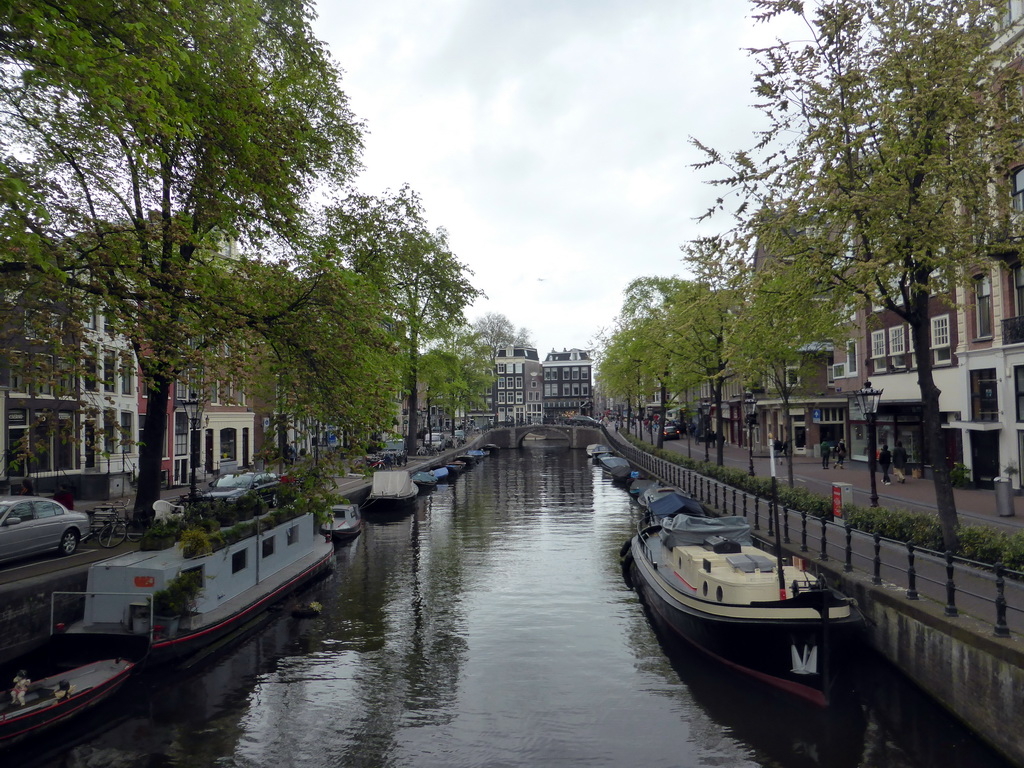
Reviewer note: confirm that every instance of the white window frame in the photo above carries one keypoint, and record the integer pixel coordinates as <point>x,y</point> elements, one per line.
<point>851,358</point>
<point>941,352</point>
<point>898,346</point>
<point>878,351</point>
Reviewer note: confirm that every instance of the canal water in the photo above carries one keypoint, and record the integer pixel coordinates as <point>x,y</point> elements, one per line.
<point>490,626</point>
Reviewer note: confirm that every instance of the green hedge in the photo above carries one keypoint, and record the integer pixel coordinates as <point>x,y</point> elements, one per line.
<point>980,543</point>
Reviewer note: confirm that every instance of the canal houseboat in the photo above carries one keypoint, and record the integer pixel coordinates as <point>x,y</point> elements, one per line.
<point>233,587</point>
<point>728,598</point>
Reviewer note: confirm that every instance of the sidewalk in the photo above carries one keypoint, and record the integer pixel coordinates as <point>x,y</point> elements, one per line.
<point>973,506</point>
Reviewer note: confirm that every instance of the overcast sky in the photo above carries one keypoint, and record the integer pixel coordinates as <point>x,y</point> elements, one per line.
<point>550,138</point>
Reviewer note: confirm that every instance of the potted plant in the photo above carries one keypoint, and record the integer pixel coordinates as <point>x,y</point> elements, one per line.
<point>160,535</point>
<point>195,542</point>
<point>960,476</point>
<point>1009,471</point>
<point>175,600</point>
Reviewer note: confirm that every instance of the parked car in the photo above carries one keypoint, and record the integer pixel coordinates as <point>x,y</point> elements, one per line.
<point>670,431</point>
<point>30,525</point>
<point>584,421</point>
<point>438,440</point>
<point>232,486</point>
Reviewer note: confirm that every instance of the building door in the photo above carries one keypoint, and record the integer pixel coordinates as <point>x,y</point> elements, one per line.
<point>985,457</point>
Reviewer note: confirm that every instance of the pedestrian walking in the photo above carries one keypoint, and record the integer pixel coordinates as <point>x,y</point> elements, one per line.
<point>884,461</point>
<point>779,450</point>
<point>899,462</point>
<point>840,454</point>
<point>826,453</point>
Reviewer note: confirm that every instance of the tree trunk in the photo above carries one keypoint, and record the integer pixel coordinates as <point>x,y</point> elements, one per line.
<point>151,444</point>
<point>935,449</point>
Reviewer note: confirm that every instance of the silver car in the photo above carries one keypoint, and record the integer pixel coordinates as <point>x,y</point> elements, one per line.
<point>30,525</point>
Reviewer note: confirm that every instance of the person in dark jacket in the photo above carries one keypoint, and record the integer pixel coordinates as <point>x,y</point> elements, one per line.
<point>884,461</point>
<point>899,462</point>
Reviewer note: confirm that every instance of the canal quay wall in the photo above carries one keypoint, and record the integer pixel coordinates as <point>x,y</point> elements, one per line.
<point>957,661</point>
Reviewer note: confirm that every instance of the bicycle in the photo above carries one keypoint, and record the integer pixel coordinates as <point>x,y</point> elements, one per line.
<point>107,525</point>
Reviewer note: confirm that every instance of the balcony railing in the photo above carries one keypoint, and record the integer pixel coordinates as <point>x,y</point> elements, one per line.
<point>1013,330</point>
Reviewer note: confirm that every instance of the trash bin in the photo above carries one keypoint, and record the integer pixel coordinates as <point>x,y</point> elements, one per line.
<point>1004,496</point>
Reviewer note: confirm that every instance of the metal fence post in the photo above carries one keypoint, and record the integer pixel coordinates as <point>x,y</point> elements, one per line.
<point>824,539</point>
<point>876,579</point>
<point>803,530</point>
<point>849,547</point>
<point>950,586</point>
<point>911,573</point>
<point>1001,630</point>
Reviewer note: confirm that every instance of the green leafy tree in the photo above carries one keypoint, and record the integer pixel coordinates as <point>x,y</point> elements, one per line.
<point>423,285</point>
<point>882,170</point>
<point>139,139</point>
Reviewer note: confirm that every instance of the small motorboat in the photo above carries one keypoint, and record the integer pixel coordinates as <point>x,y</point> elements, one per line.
<point>440,474</point>
<point>346,524</point>
<point>425,480</point>
<point>653,493</point>
<point>597,448</point>
<point>640,484</point>
<point>52,700</point>
<point>617,467</point>
<point>477,454</point>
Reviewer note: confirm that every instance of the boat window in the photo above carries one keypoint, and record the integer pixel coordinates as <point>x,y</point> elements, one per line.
<point>268,546</point>
<point>293,535</point>
<point>718,594</point>
<point>239,560</point>
<point>705,589</point>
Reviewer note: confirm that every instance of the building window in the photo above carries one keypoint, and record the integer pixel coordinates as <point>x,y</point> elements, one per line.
<point>501,398</point>
<point>239,560</point>
<point>940,339</point>
<point>898,346</point>
<point>228,449</point>
<point>292,535</point>
<point>1018,390</point>
<point>983,306</point>
<point>878,351</point>
<point>268,546</point>
<point>851,358</point>
<point>984,400</point>
<point>501,382</point>
<point>1018,290</point>
<point>109,372</point>
<point>127,432</point>
<point>576,374</point>
<point>584,389</point>
<point>501,367</point>
<point>566,390</point>
<point>180,433</point>
<point>519,382</point>
<point>565,373</point>
<point>1018,189</point>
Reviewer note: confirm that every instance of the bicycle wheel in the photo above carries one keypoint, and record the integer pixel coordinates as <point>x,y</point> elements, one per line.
<point>113,533</point>
<point>134,530</point>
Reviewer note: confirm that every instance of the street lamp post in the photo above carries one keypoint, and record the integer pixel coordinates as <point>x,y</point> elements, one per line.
<point>193,411</point>
<point>750,408</point>
<point>867,398</point>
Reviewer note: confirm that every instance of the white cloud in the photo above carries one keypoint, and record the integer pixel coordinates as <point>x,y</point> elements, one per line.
<point>549,137</point>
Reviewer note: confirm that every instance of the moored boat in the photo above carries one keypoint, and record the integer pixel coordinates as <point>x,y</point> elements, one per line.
<point>597,448</point>
<point>640,484</point>
<point>651,494</point>
<point>346,522</point>
<point>617,467</point>
<point>424,480</point>
<point>440,474</point>
<point>233,587</point>
<point>390,488</point>
<point>53,700</point>
<point>728,598</point>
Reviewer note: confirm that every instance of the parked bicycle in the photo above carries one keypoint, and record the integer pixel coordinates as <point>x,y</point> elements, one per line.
<point>107,525</point>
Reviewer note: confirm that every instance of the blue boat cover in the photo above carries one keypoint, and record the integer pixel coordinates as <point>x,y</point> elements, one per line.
<point>441,472</point>
<point>668,504</point>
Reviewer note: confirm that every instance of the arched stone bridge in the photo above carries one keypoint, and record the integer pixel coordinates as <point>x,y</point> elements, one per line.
<point>512,437</point>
